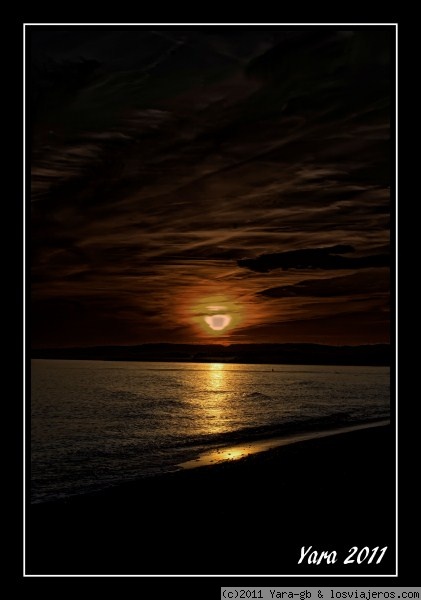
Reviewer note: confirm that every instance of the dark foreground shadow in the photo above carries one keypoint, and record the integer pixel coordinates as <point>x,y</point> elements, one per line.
<point>249,517</point>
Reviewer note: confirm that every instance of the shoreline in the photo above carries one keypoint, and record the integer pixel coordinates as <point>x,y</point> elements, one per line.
<point>241,451</point>
<point>284,363</point>
<point>248,353</point>
<point>224,453</point>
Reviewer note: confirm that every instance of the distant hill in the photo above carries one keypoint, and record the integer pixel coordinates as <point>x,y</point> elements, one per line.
<point>307,354</point>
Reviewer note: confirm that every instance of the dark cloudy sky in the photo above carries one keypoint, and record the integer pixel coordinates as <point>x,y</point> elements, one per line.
<point>175,169</point>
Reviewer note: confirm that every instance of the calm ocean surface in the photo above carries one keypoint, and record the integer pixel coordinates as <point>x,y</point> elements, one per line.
<point>95,424</point>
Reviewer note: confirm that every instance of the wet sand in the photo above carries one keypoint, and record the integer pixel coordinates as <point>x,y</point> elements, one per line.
<point>237,451</point>
<point>242,517</point>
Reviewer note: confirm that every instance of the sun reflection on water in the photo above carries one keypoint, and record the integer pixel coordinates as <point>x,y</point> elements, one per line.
<point>215,409</point>
<point>216,376</point>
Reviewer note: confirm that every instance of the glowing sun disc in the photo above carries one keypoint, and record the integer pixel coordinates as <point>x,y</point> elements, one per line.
<point>218,322</point>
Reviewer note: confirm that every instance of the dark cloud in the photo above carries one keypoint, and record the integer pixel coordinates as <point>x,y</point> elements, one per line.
<point>313,258</point>
<point>160,158</point>
<point>373,282</point>
<point>350,327</point>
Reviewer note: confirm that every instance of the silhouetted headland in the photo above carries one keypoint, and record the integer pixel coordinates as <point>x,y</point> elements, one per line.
<point>304,354</point>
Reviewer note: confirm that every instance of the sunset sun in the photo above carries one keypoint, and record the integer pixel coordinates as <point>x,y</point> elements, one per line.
<point>215,315</point>
<point>218,322</point>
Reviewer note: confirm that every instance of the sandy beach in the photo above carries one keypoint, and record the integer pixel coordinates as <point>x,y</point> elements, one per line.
<point>244,517</point>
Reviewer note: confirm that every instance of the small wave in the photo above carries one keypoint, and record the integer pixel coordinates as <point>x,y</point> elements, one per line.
<point>258,395</point>
<point>293,425</point>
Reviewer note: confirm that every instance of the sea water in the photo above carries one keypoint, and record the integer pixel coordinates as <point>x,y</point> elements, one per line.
<point>98,423</point>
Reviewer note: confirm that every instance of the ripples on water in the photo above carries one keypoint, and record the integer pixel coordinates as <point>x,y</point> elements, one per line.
<point>97,423</point>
